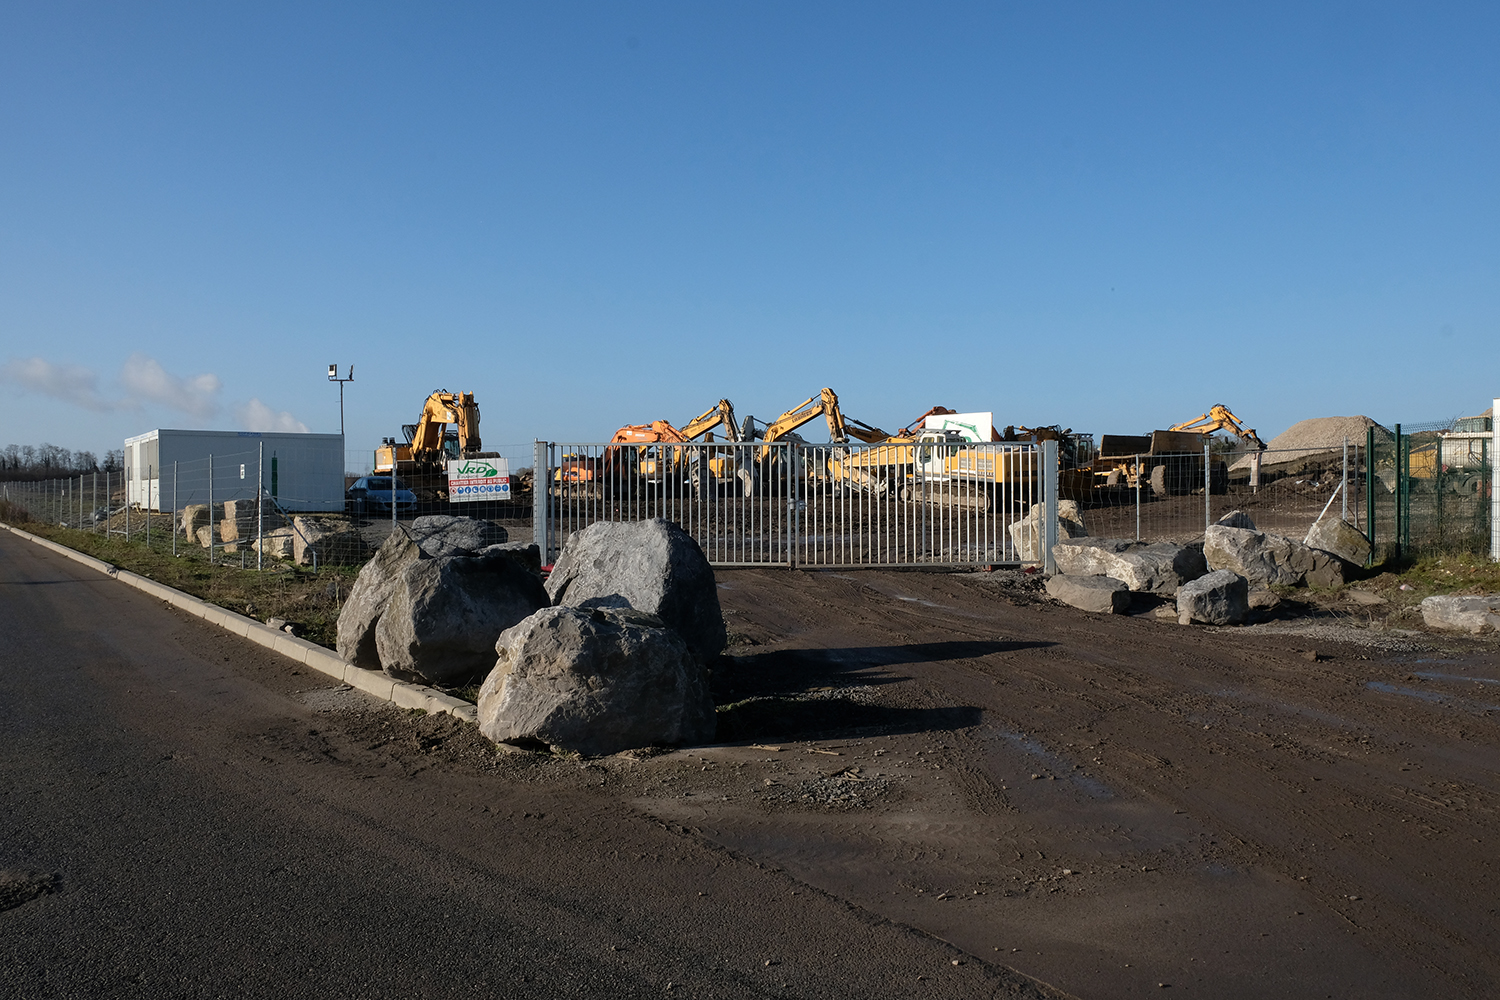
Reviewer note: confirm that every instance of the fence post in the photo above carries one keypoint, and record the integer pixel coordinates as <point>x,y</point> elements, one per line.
<point>1344,481</point>
<point>1370,490</point>
<point>1400,489</point>
<point>1049,505</point>
<point>1137,498</point>
<point>210,509</point>
<point>174,508</point>
<point>148,508</point>
<point>791,503</point>
<point>541,482</point>
<point>1208,488</point>
<point>260,508</point>
<point>1495,481</point>
<point>128,480</point>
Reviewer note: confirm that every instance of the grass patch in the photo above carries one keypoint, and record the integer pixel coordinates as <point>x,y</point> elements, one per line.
<point>1458,573</point>
<point>309,600</point>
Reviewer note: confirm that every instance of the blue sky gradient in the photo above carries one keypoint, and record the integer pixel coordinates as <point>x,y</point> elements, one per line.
<point>1103,215</point>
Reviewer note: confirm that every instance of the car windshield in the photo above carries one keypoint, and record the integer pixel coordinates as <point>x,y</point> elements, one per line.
<point>382,483</point>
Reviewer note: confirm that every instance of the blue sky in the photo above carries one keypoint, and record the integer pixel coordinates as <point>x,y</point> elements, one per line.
<point>1107,216</point>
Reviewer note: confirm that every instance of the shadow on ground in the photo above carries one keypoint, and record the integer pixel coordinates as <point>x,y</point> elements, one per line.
<point>827,693</point>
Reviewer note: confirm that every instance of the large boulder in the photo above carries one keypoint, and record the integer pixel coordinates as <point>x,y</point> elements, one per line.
<point>193,517</point>
<point>244,519</point>
<point>528,554</point>
<point>1026,534</point>
<point>331,540</point>
<point>1217,598</point>
<point>652,566</point>
<point>275,543</point>
<point>1155,568</point>
<point>1236,519</point>
<point>1465,614</point>
<point>595,681</point>
<point>451,535</point>
<point>368,597</point>
<point>445,613</point>
<point>1101,594</point>
<point>1269,560</point>
<point>1340,538</point>
<point>378,578</point>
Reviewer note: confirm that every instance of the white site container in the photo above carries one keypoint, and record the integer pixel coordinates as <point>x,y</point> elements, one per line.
<point>302,471</point>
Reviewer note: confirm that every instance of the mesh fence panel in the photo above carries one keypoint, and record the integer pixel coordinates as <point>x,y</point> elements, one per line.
<point>1174,497</point>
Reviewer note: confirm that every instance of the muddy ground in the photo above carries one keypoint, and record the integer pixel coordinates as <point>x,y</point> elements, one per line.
<point>1112,805</point>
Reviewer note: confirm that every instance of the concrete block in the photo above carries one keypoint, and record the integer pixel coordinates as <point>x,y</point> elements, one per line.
<point>371,682</point>
<point>287,646</point>
<point>325,662</point>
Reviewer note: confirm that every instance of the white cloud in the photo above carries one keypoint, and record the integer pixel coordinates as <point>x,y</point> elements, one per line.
<point>66,383</point>
<point>145,379</point>
<point>257,416</point>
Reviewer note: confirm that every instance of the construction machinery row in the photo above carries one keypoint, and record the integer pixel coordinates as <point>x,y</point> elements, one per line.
<point>942,456</point>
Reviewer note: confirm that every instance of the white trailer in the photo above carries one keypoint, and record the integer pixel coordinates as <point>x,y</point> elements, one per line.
<point>169,469</point>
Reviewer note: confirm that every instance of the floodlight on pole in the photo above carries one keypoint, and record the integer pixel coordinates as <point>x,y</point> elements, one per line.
<point>333,376</point>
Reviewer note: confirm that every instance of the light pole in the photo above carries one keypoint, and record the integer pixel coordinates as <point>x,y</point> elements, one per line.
<point>333,376</point>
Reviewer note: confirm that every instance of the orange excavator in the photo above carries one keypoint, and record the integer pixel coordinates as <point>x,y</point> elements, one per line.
<point>643,454</point>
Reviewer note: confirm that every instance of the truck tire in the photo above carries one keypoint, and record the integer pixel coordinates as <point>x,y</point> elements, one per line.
<point>1159,481</point>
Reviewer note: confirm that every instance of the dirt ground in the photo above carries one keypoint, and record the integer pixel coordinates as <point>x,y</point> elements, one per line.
<point>1113,806</point>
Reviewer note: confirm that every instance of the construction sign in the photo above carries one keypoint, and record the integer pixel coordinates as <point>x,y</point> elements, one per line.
<point>478,479</point>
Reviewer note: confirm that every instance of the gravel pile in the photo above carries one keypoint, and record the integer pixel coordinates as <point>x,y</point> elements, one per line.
<point>1317,436</point>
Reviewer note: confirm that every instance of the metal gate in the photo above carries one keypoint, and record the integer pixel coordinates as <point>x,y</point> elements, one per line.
<point>791,504</point>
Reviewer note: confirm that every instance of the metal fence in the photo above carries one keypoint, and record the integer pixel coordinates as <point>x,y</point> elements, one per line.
<point>1175,497</point>
<point>787,503</point>
<point>1433,491</point>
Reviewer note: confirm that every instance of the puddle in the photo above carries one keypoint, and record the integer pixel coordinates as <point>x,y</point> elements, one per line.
<point>1433,675</point>
<point>918,600</point>
<point>1090,786</point>
<point>1432,697</point>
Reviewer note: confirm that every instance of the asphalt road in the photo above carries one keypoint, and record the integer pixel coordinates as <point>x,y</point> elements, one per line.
<point>205,832</point>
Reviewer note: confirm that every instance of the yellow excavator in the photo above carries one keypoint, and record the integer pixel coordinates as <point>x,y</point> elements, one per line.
<point>423,460</point>
<point>1171,460</point>
<point>941,465</point>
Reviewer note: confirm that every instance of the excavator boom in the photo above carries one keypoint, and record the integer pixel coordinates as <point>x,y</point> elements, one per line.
<point>720,414</point>
<point>1220,418</point>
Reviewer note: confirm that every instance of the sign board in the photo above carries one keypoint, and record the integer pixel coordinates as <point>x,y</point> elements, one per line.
<point>971,426</point>
<point>478,479</point>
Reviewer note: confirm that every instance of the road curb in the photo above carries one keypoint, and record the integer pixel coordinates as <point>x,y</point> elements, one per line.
<point>310,654</point>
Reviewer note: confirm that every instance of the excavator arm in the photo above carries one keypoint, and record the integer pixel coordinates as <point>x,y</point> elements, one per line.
<point>721,413</point>
<point>443,408</point>
<point>1220,418</point>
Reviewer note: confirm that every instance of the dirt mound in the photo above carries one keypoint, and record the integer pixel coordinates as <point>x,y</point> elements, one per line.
<point>1317,436</point>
